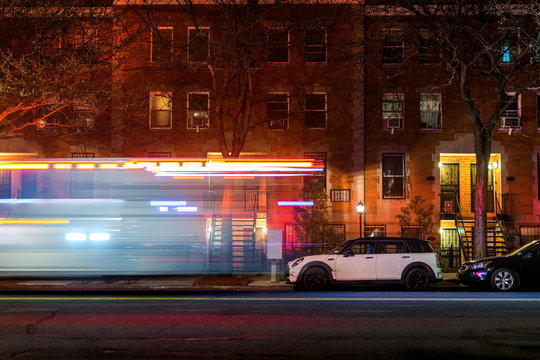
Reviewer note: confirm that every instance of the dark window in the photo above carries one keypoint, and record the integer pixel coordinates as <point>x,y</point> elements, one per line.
<point>392,247</point>
<point>251,198</point>
<point>393,176</point>
<point>511,118</point>
<point>363,247</point>
<point>392,47</point>
<point>198,45</point>
<point>320,176</point>
<point>315,46</point>
<point>159,154</point>
<point>537,111</point>
<point>508,48</point>
<point>418,246</point>
<point>162,38</point>
<point>429,51</point>
<point>198,110</point>
<point>5,184</point>
<point>340,195</point>
<point>83,155</point>
<point>278,46</point>
<point>315,111</point>
<point>277,110</point>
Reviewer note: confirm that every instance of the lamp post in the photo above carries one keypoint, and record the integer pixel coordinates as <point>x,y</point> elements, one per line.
<point>360,208</point>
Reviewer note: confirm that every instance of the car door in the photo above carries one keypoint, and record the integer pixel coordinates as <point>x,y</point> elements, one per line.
<point>530,266</point>
<point>357,263</point>
<point>392,258</point>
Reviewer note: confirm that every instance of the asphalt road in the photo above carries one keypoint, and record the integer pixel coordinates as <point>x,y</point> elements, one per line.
<point>297,325</point>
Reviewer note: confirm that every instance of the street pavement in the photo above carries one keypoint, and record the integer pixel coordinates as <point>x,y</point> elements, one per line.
<point>191,283</point>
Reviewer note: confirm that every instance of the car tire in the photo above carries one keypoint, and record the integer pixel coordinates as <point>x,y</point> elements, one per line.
<point>315,278</point>
<point>417,279</point>
<point>503,280</point>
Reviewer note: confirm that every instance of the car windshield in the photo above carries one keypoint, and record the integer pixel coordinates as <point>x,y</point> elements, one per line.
<point>523,249</point>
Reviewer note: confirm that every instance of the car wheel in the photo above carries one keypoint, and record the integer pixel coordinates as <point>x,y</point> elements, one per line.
<point>503,280</point>
<point>417,279</point>
<point>315,278</point>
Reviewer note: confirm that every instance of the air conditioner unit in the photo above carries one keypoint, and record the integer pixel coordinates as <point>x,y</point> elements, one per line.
<point>393,123</point>
<point>198,119</point>
<point>276,124</point>
<point>510,121</point>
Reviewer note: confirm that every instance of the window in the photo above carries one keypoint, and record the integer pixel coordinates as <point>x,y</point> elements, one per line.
<point>315,110</point>
<point>83,155</point>
<point>198,110</point>
<point>374,230</point>
<point>509,41</point>
<point>429,51</point>
<point>160,110</point>
<point>363,247</point>
<point>430,111</point>
<point>340,195</point>
<point>278,46</point>
<point>511,117</point>
<point>251,193</point>
<point>48,116</point>
<point>5,183</point>
<point>198,44</point>
<point>392,111</point>
<point>393,247</point>
<point>393,176</point>
<point>84,44</point>
<point>159,154</point>
<point>84,115</point>
<point>277,110</point>
<point>162,44</point>
<point>392,49</point>
<point>315,46</point>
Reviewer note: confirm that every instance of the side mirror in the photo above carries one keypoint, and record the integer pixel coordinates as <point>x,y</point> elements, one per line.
<point>348,253</point>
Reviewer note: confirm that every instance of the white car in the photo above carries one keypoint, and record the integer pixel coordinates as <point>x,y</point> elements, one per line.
<point>406,261</point>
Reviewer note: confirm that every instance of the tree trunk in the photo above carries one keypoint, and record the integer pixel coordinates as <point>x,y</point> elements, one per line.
<point>482,147</point>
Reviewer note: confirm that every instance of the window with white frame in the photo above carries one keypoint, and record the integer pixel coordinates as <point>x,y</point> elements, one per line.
<point>392,111</point>
<point>430,111</point>
<point>429,50</point>
<point>508,38</point>
<point>198,108</point>
<point>198,44</point>
<point>160,110</point>
<point>393,173</point>
<point>315,46</point>
<point>278,46</point>
<point>315,111</point>
<point>85,115</point>
<point>162,44</point>
<point>277,110</point>
<point>392,46</point>
<point>512,115</point>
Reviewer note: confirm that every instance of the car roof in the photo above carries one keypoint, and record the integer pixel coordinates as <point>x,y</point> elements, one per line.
<point>382,238</point>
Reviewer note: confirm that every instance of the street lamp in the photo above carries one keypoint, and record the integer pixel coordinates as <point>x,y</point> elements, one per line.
<point>360,208</point>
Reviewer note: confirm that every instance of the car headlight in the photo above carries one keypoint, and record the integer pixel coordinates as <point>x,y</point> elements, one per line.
<point>479,265</point>
<point>296,262</point>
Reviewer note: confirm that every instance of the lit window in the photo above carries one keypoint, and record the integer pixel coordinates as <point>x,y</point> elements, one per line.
<point>509,41</point>
<point>430,111</point>
<point>277,110</point>
<point>315,111</point>
<point>198,44</point>
<point>198,109</point>
<point>160,110</point>
<point>393,173</point>
<point>315,46</point>
<point>392,111</point>
<point>162,44</point>
<point>278,46</point>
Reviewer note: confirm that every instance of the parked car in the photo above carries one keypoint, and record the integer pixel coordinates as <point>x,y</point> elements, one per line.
<point>505,273</point>
<point>375,260</point>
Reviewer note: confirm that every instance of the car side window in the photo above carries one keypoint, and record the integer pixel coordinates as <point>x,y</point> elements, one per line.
<point>534,253</point>
<point>393,247</point>
<point>364,247</point>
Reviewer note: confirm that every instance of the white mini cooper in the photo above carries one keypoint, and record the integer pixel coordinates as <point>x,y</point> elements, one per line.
<point>383,260</point>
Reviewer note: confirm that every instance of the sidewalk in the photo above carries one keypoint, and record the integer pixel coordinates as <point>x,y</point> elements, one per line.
<point>211,283</point>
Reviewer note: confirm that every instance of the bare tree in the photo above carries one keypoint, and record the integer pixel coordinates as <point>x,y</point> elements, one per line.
<point>491,47</point>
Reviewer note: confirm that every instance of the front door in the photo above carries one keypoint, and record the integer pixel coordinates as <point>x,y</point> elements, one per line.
<point>450,254</point>
<point>359,263</point>
<point>449,189</point>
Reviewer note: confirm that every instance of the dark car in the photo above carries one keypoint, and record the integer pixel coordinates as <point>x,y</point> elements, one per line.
<point>504,273</point>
